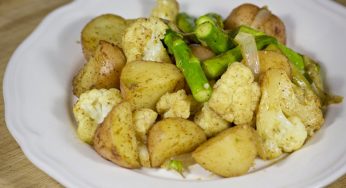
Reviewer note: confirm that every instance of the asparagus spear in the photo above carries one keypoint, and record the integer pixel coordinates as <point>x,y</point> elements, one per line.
<point>185,22</point>
<point>212,36</point>
<point>246,29</point>
<point>294,57</point>
<point>209,31</point>
<point>189,66</point>
<point>313,73</point>
<point>211,17</point>
<point>217,65</point>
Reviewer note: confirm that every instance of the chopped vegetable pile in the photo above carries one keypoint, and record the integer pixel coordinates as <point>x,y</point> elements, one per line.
<point>173,89</point>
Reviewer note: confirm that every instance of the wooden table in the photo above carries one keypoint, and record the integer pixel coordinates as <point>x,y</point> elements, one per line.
<point>17,20</point>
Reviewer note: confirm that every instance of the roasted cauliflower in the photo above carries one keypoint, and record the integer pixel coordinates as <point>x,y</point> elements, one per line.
<point>286,115</point>
<point>143,119</point>
<point>174,105</point>
<point>235,95</point>
<point>142,40</point>
<point>210,121</point>
<point>91,109</point>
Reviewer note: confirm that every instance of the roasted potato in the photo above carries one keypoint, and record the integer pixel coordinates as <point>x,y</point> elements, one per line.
<point>173,136</point>
<point>166,9</point>
<point>108,27</point>
<point>241,15</point>
<point>245,14</point>
<point>116,140</point>
<point>102,70</point>
<point>142,83</point>
<point>201,52</point>
<point>273,60</point>
<point>230,153</point>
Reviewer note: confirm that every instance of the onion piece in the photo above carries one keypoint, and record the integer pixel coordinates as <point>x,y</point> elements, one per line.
<point>249,51</point>
<point>261,17</point>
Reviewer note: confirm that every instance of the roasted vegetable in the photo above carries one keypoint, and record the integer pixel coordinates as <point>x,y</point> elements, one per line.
<point>210,121</point>
<point>257,18</point>
<point>248,49</point>
<point>286,114</point>
<point>173,136</point>
<point>211,18</point>
<point>185,22</point>
<point>230,153</point>
<point>189,65</point>
<point>235,95</point>
<point>201,52</point>
<point>116,140</point>
<point>142,41</point>
<point>313,73</point>
<point>216,66</point>
<point>273,60</point>
<point>143,119</point>
<point>166,9</point>
<point>102,70</point>
<point>142,83</point>
<point>107,27</point>
<point>90,110</point>
<point>174,105</point>
<point>209,32</point>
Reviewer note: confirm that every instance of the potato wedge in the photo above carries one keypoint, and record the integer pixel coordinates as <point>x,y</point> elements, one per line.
<point>108,27</point>
<point>230,153</point>
<point>173,136</point>
<point>142,83</point>
<point>102,70</point>
<point>116,140</point>
<point>273,60</point>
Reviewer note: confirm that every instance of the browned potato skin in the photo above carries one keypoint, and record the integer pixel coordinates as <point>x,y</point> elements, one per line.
<point>230,153</point>
<point>108,27</point>
<point>102,70</point>
<point>116,140</point>
<point>171,137</point>
<point>242,15</point>
<point>245,15</point>
<point>142,83</point>
<point>275,27</point>
<point>201,52</point>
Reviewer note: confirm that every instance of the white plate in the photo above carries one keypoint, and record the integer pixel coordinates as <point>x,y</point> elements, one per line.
<point>37,92</point>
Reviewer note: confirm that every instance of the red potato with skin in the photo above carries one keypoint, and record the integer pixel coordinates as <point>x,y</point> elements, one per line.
<point>245,14</point>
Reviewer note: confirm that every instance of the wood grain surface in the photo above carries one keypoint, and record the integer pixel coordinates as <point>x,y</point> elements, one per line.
<point>18,18</point>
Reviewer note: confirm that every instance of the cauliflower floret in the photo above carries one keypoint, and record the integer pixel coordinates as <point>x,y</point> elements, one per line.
<point>284,116</point>
<point>142,40</point>
<point>174,105</point>
<point>91,109</point>
<point>166,9</point>
<point>236,95</point>
<point>210,121</point>
<point>143,119</point>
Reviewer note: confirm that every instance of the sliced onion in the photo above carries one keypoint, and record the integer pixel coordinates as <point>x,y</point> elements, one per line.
<point>261,17</point>
<point>249,51</point>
